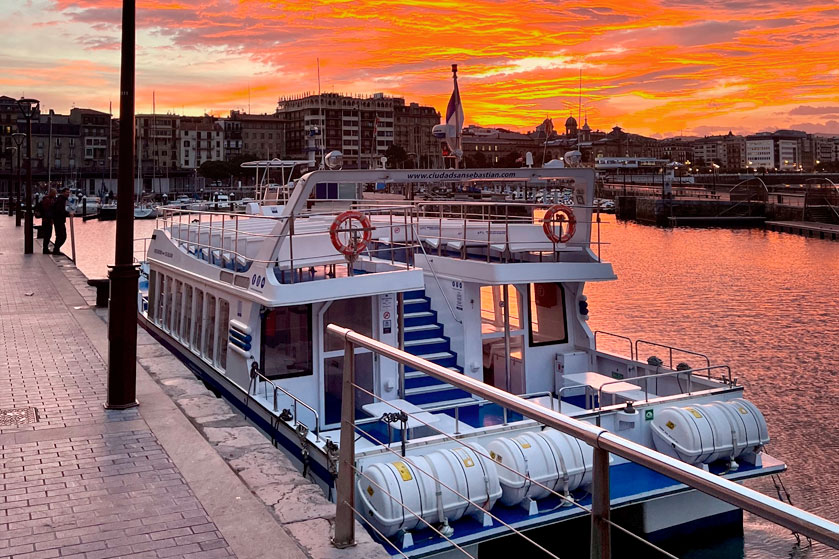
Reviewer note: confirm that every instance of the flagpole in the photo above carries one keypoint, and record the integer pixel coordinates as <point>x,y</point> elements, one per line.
<point>459,129</point>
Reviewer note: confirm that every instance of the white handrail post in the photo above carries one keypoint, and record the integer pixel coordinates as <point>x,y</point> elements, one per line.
<point>344,520</point>
<point>601,541</point>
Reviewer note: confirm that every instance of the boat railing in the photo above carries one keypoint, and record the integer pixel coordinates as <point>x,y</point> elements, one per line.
<point>689,373</point>
<point>634,345</point>
<point>671,349</point>
<point>441,528</point>
<point>480,232</point>
<point>253,388</point>
<point>601,440</point>
<point>220,238</point>
<point>610,334</point>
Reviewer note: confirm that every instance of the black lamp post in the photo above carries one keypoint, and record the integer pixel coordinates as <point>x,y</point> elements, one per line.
<point>122,307</point>
<point>18,137</point>
<point>28,107</point>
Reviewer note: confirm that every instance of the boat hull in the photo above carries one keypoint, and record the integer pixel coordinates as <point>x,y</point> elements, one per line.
<point>279,432</point>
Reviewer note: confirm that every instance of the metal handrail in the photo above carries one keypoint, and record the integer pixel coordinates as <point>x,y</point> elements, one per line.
<point>295,400</point>
<point>605,442</point>
<point>671,348</point>
<point>434,273</point>
<point>627,338</point>
<point>646,378</point>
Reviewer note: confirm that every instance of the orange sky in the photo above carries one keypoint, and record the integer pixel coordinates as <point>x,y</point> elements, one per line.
<point>655,67</point>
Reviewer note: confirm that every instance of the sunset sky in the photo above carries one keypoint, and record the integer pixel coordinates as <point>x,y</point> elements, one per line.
<point>654,67</point>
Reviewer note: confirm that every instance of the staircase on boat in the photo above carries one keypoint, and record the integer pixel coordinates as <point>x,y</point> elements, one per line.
<point>424,337</point>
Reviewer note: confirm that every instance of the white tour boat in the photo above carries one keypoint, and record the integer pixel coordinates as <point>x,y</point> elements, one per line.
<point>492,290</point>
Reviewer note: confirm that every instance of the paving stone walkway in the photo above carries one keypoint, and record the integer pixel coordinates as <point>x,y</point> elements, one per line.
<point>182,475</point>
<point>76,480</point>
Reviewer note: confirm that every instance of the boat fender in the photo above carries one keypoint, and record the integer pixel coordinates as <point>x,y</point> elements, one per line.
<point>559,214</point>
<point>343,223</point>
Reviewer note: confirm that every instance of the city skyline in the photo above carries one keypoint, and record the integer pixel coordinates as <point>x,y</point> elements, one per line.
<point>658,68</point>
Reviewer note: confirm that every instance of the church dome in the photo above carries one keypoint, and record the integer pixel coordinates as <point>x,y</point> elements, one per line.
<point>571,122</point>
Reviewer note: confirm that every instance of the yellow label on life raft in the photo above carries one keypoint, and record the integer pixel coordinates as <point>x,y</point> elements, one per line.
<point>403,471</point>
<point>743,410</point>
<point>370,490</point>
<point>464,457</point>
<point>694,413</point>
<point>524,444</point>
<point>670,425</point>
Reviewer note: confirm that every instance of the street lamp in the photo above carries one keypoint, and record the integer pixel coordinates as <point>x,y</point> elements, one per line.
<point>18,138</point>
<point>714,168</point>
<point>28,107</point>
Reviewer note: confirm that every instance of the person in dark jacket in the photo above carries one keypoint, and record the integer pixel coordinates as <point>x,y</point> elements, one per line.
<point>59,219</point>
<point>45,204</point>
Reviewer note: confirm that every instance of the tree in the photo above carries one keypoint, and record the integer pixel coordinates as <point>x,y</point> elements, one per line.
<point>476,160</point>
<point>214,170</point>
<point>234,165</point>
<point>510,159</point>
<point>396,156</point>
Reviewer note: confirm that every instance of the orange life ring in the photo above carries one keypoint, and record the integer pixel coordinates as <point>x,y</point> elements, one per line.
<point>559,213</point>
<point>354,245</point>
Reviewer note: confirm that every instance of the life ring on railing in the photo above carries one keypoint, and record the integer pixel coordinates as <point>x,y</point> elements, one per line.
<point>559,213</point>
<point>354,244</point>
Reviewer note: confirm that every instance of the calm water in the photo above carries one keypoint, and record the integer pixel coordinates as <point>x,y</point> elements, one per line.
<point>765,303</point>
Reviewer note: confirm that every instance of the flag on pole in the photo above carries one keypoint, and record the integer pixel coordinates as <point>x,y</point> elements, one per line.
<point>454,120</point>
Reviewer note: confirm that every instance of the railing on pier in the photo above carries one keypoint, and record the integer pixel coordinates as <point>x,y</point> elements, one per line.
<point>602,441</point>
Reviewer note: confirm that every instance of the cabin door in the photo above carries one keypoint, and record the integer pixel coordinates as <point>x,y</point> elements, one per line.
<point>356,314</point>
<point>502,337</point>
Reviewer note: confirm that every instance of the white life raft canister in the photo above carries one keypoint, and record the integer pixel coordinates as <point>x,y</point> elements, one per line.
<point>412,482</point>
<point>706,433</point>
<point>558,462</point>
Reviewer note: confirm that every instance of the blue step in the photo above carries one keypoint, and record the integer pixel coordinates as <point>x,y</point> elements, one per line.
<point>423,331</point>
<point>420,318</point>
<point>415,294</point>
<point>417,305</point>
<point>439,359</point>
<point>435,396</point>
<point>427,345</point>
<point>420,381</point>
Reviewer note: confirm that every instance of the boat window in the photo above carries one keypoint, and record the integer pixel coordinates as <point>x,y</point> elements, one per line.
<point>187,324</point>
<point>152,294</point>
<point>287,342</point>
<point>210,340</point>
<point>355,314</point>
<point>176,317</point>
<point>547,314</point>
<point>223,320</point>
<point>160,299</point>
<point>333,377</point>
<point>492,308</point>
<point>199,319</point>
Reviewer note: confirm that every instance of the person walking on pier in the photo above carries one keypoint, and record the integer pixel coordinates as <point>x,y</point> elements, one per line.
<point>45,205</point>
<point>59,219</point>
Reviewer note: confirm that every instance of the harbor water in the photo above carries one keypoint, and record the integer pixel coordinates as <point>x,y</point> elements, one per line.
<point>764,303</point>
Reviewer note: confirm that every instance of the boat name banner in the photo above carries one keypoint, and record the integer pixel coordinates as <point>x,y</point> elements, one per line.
<point>461,175</point>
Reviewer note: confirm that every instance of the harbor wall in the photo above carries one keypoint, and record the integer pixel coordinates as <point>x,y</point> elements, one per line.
<point>657,211</point>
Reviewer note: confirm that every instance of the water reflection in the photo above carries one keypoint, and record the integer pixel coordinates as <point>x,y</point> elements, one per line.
<point>764,303</point>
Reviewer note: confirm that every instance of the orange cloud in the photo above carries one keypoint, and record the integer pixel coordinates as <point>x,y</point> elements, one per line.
<point>652,66</point>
